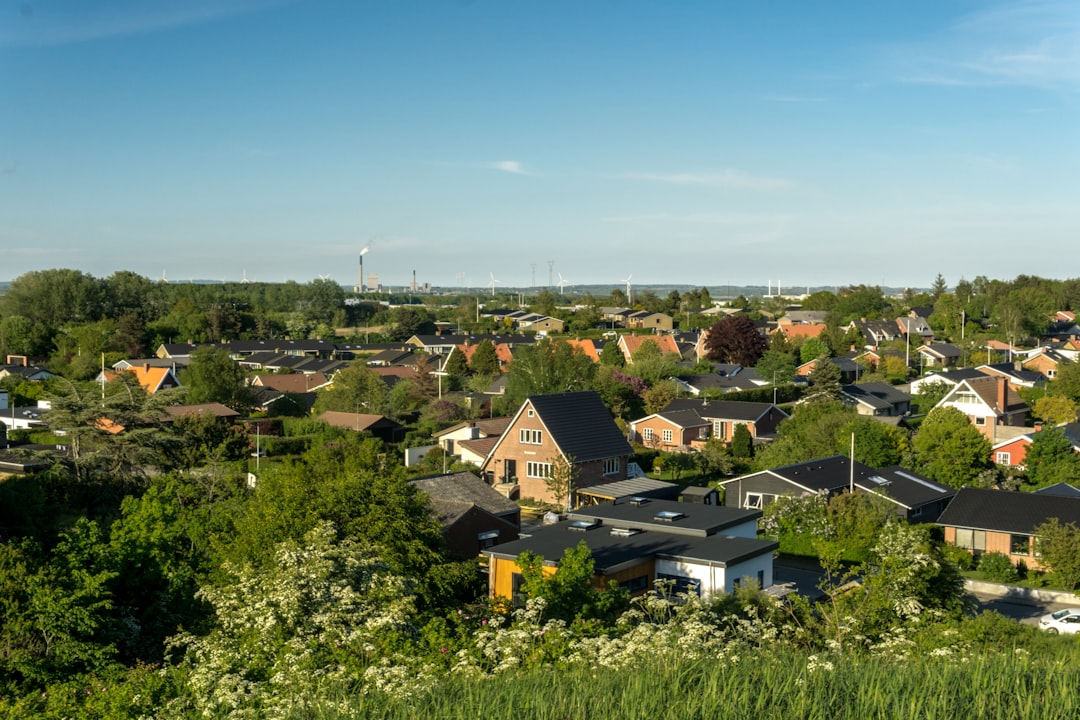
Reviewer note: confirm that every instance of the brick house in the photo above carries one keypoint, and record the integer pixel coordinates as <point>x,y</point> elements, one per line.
<point>573,425</point>
<point>983,521</point>
<point>674,430</point>
<point>761,419</point>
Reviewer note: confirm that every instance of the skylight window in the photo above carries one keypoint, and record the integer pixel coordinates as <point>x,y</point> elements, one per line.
<point>668,516</point>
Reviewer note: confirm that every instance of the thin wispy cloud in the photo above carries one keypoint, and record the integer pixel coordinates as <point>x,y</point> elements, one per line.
<point>1034,44</point>
<point>725,179</point>
<point>508,166</point>
<point>65,23</point>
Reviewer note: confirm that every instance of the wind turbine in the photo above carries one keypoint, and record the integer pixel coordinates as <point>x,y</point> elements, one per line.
<point>562,284</point>
<point>492,284</point>
<point>629,290</point>
<point>244,280</point>
<point>163,278</point>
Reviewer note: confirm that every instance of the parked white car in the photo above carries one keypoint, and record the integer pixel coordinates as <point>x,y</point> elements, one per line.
<point>1063,621</point>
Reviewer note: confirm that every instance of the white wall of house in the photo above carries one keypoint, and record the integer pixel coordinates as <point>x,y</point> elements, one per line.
<point>715,579</point>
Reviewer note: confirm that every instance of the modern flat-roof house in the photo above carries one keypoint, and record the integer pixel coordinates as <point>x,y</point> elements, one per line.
<point>705,550</point>
<point>1003,521</point>
<point>916,498</point>
<point>573,426</point>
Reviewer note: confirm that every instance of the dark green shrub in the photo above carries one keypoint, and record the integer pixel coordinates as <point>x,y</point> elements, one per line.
<point>997,567</point>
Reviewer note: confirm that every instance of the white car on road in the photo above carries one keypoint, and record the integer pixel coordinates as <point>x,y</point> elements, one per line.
<point>1063,621</point>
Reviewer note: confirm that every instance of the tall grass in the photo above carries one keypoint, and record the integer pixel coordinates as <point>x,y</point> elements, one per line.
<point>773,683</point>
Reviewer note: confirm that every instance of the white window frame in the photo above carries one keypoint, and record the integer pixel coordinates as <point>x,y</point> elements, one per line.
<point>667,435</point>
<point>757,504</point>
<point>647,434</point>
<point>1003,458</point>
<point>612,465</point>
<point>539,470</point>
<point>530,436</point>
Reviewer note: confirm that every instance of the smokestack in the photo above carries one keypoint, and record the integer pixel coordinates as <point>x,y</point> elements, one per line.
<point>361,272</point>
<point>414,281</point>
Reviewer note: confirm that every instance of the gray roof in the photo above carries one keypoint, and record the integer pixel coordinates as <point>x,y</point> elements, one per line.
<point>1008,511</point>
<point>610,551</point>
<point>834,473</point>
<point>641,487</point>
<point>720,409</point>
<point>1060,489</point>
<point>878,395</point>
<point>581,425</point>
<point>697,519</point>
<point>464,488</point>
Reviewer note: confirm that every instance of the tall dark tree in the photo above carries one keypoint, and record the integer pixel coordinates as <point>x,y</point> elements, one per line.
<point>484,360</point>
<point>734,339</point>
<point>824,381</point>
<point>939,287</point>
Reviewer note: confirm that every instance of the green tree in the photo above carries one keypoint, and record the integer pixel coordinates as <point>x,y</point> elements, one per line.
<point>742,444</point>
<point>949,449</point>
<point>549,366</point>
<point>776,365</point>
<point>1054,409</point>
<point>355,389</point>
<point>824,382</point>
<point>562,481</point>
<point>938,288</point>
<point>213,376</point>
<point>876,444</point>
<point>813,348</point>
<point>484,360</point>
<point>568,593</point>
<point>55,298</point>
<point>611,355</point>
<point>930,394</point>
<point>1059,548</point>
<point>322,298</point>
<point>1067,383</point>
<point>1051,459</point>
<point>651,364</point>
<point>659,395</point>
<point>714,458</point>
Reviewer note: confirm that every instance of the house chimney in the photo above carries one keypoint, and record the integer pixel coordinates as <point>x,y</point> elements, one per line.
<point>1002,394</point>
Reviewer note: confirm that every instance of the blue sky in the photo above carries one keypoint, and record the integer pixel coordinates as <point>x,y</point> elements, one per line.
<point>709,143</point>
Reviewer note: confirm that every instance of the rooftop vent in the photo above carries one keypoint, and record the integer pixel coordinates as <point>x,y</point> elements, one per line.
<point>624,532</point>
<point>668,516</point>
<point>583,525</point>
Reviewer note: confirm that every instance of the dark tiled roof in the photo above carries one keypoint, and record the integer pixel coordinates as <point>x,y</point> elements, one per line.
<point>683,418</point>
<point>834,473</point>
<point>581,425</point>
<point>1007,511</point>
<point>1060,489</point>
<point>464,487</point>
<point>876,394</point>
<point>720,409</point>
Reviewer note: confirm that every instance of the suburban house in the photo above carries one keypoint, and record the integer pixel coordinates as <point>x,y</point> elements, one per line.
<point>849,369</point>
<point>916,324</point>
<point>916,498</point>
<point>670,430</point>
<point>876,398</point>
<point>474,515</point>
<point>378,425</point>
<point>1047,361</point>
<point>939,355</point>
<point>948,377</point>
<point>450,439</point>
<point>1017,377</point>
<point>150,379</point>
<point>761,419</point>
<point>1012,452</point>
<point>720,381</point>
<point>643,544</point>
<point>591,348</point>
<point>655,321</point>
<point>876,332</point>
<point>799,332</point>
<point>1003,521</point>
<point>630,344</point>
<point>989,402</point>
<point>296,383</point>
<point>503,353</point>
<point>574,426</point>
